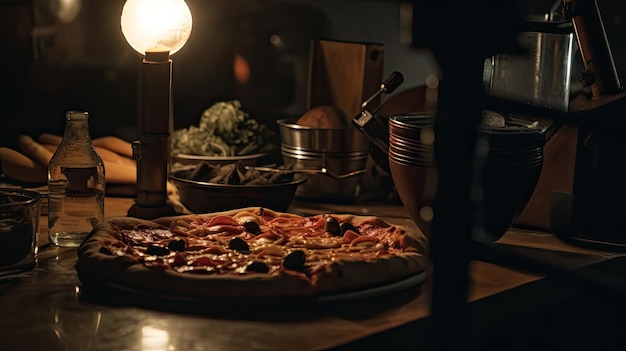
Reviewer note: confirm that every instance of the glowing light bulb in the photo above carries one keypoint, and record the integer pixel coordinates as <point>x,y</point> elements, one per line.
<point>156,25</point>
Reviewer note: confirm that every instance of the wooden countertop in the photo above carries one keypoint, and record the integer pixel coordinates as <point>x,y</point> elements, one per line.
<point>37,301</point>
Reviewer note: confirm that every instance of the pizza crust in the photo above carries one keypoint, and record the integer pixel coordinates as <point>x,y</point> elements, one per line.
<point>98,266</point>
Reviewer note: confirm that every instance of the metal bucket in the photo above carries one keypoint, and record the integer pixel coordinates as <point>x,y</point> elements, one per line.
<point>340,151</point>
<point>319,186</point>
<point>318,139</point>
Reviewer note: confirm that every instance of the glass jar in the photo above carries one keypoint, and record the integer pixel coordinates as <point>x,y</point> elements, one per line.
<point>19,227</point>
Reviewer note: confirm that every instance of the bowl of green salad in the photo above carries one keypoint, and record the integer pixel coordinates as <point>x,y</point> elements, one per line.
<point>225,134</point>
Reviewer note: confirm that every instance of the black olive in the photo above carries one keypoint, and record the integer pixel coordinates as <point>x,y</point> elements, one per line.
<point>176,245</point>
<point>345,226</point>
<point>257,266</point>
<point>295,260</point>
<point>252,227</point>
<point>157,250</point>
<point>332,226</point>
<point>238,244</point>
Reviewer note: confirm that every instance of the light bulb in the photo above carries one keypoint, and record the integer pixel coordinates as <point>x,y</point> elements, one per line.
<point>156,25</point>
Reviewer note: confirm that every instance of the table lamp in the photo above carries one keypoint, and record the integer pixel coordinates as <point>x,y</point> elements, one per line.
<point>156,29</point>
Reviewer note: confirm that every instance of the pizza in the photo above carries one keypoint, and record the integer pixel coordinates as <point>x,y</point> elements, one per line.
<point>250,252</point>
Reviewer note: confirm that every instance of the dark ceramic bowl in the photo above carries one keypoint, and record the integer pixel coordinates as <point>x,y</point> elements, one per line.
<point>204,197</point>
<point>510,171</point>
<point>182,161</point>
<point>416,185</point>
<point>506,190</point>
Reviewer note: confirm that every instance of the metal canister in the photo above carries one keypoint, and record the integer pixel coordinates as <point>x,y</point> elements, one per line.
<point>542,76</point>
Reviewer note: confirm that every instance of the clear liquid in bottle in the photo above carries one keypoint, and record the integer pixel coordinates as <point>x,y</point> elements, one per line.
<point>76,185</point>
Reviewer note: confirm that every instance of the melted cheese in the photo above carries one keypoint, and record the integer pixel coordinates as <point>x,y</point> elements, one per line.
<point>269,249</point>
<point>210,253</point>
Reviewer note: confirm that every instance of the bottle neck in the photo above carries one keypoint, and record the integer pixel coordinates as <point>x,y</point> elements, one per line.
<point>77,129</point>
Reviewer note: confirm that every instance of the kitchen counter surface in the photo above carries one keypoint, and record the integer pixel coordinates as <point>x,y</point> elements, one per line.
<point>44,310</point>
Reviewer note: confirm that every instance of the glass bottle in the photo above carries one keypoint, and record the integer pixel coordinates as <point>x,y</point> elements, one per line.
<point>75,184</point>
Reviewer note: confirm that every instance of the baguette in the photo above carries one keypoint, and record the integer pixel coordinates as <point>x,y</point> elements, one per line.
<point>50,147</point>
<point>51,139</point>
<point>115,144</point>
<point>120,173</point>
<point>20,167</point>
<point>17,166</point>
<point>117,169</point>
<point>111,143</point>
<point>34,150</point>
<point>107,155</point>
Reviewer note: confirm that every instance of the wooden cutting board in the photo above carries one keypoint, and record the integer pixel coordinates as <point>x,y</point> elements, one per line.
<point>344,74</point>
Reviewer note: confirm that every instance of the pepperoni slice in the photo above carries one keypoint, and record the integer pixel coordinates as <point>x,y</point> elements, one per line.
<point>222,220</point>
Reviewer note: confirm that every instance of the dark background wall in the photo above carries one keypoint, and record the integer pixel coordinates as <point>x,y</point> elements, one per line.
<point>63,55</point>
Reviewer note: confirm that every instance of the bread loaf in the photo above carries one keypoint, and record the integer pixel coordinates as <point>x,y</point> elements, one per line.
<point>115,144</point>
<point>20,167</point>
<point>324,117</point>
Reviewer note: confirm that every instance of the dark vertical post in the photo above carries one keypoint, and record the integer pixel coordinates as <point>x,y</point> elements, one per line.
<point>461,35</point>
